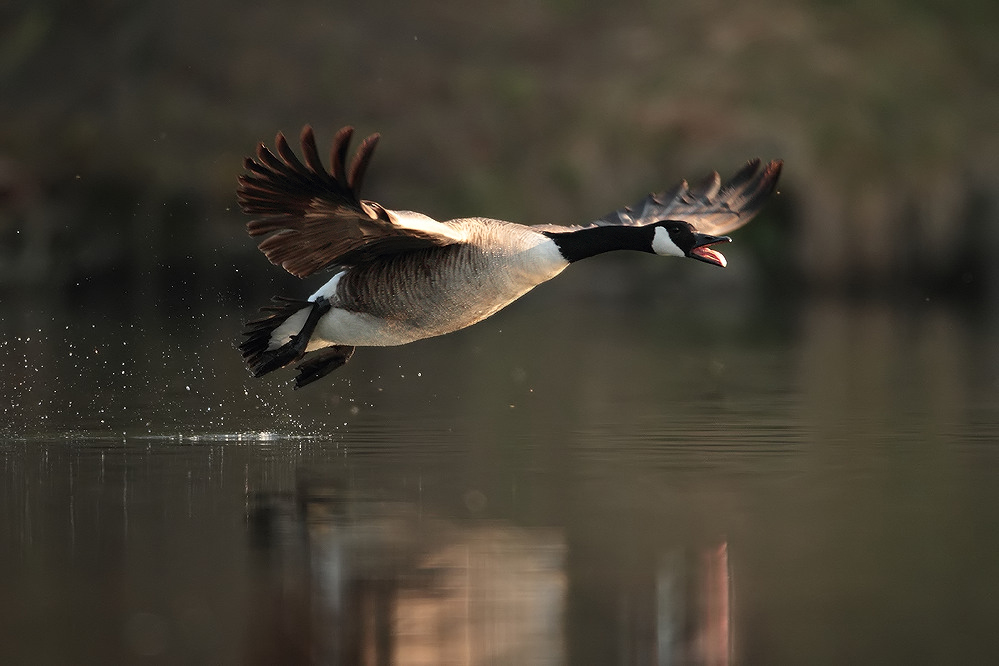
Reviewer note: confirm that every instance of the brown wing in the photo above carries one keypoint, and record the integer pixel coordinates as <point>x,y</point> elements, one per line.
<point>711,207</point>
<point>316,218</point>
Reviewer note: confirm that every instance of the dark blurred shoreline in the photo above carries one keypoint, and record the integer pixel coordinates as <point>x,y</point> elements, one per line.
<point>118,164</point>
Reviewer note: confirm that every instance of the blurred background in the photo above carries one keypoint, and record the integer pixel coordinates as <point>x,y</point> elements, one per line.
<point>124,125</point>
<point>791,460</point>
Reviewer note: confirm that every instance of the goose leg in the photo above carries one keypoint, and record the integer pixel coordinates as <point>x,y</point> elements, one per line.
<point>291,351</point>
<point>300,340</point>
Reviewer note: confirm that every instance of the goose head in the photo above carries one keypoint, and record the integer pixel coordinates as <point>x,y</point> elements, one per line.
<point>675,238</point>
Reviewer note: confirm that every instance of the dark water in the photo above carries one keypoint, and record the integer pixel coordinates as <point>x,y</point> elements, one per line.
<point>584,479</point>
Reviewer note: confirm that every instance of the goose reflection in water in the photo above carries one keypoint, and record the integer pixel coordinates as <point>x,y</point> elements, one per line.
<point>352,579</point>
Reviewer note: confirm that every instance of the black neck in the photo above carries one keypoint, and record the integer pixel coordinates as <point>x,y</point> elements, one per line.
<point>583,243</point>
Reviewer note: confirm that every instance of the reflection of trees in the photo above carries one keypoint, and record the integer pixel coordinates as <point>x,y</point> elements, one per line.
<point>366,581</point>
<point>369,582</point>
<point>694,608</point>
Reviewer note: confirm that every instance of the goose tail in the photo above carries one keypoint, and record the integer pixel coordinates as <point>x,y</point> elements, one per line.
<point>262,358</point>
<point>257,354</point>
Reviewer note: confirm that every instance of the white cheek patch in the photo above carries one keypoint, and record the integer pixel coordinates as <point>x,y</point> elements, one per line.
<point>664,246</point>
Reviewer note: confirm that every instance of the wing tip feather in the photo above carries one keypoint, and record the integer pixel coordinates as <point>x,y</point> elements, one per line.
<point>736,200</point>
<point>359,165</point>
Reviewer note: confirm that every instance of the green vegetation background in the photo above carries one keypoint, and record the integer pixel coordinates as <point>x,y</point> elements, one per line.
<point>123,124</point>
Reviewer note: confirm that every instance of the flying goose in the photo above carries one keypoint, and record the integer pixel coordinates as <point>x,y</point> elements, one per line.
<point>401,276</point>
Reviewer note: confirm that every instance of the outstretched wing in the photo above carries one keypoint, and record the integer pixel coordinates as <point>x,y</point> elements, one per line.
<point>711,207</point>
<point>315,218</point>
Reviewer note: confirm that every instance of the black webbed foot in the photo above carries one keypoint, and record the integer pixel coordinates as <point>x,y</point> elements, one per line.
<point>321,363</point>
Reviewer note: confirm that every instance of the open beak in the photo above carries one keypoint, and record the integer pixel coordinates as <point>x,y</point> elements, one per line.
<point>702,249</point>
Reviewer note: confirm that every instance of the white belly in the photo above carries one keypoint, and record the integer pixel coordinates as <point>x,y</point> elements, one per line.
<point>341,327</point>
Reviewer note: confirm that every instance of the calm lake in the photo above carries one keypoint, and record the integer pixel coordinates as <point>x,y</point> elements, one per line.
<point>611,471</point>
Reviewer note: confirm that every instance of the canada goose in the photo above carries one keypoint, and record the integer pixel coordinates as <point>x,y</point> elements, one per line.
<point>402,276</point>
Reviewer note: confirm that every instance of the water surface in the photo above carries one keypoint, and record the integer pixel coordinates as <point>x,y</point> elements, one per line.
<point>584,479</point>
